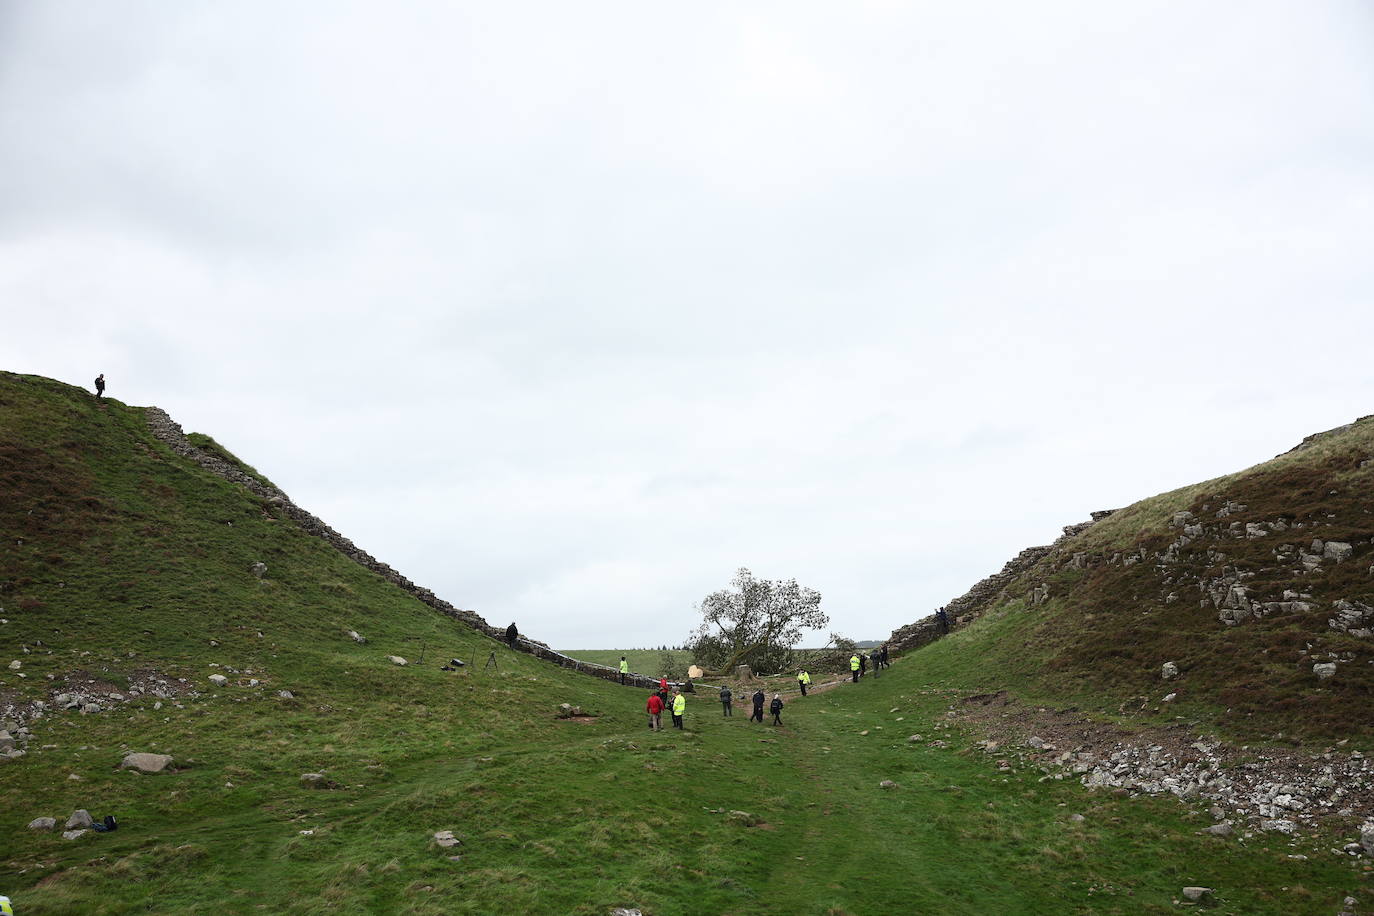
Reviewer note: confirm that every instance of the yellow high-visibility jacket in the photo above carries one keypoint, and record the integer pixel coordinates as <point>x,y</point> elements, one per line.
<point>853,663</point>
<point>679,705</point>
<point>804,678</point>
<point>624,667</point>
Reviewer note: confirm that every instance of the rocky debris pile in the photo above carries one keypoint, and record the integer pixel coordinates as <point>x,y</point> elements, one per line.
<point>1271,789</point>
<point>1353,617</point>
<point>14,740</point>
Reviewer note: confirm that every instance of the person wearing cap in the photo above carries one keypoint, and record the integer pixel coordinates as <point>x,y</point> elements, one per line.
<point>776,709</point>
<point>758,706</point>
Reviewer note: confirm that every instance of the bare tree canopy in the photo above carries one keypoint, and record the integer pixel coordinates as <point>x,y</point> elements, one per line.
<point>755,622</point>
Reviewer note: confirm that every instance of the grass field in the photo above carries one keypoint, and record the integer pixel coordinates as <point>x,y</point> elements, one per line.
<point>134,562</point>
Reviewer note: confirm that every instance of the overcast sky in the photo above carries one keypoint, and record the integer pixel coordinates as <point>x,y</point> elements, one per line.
<point>567,310</point>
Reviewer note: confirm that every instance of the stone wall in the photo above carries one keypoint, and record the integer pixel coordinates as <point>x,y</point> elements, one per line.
<point>971,605</point>
<point>167,431</point>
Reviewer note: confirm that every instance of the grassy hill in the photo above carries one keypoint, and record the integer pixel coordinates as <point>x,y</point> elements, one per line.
<point>126,582</point>
<point>1230,579</point>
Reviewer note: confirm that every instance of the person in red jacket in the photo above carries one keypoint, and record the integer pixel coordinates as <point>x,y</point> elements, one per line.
<point>655,707</point>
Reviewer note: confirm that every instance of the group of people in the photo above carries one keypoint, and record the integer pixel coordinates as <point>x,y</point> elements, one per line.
<point>858,662</point>
<point>658,701</point>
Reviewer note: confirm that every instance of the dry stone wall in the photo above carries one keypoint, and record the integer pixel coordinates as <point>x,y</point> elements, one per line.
<point>969,606</point>
<point>169,432</point>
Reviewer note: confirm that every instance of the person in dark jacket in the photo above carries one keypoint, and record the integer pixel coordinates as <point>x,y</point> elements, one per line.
<point>726,698</point>
<point>100,385</point>
<point>776,709</point>
<point>512,634</point>
<point>758,707</point>
<point>944,620</point>
<point>863,663</point>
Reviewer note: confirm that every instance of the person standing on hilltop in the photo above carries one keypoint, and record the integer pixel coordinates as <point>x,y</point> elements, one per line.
<point>512,634</point>
<point>679,707</point>
<point>100,385</point>
<point>624,669</point>
<point>803,679</point>
<point>726,698</point>
<point>655,708</point>
<point>776,709</point>
<point>944,620</point>
<point>854,666</point>
<point>758,706</point>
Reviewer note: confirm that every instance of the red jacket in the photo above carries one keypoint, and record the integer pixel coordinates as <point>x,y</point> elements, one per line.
<point>655,705</point>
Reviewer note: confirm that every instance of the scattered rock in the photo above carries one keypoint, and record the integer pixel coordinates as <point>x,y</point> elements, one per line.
<point>1338,551</point>
<point>80,818</point>
<point>1196,893</point>
<point>1222,829</point>
<point>43,823</point>
<point>568,711</point>
<point>73,834</point>
<point>446,839</point>
<point>286,694</point>
<point>353,635</point>
<point>1077,818</point>
<point>1279,825</point>
<point>16,665</point>
<point>258,569</point>
<point>317,781</point>
<point>1168,670</point>
<point>744,818</point>
<point>397,660</point>
<point>1324,670</point>
<point>146,763</point>
<point>887,784</point>
<point>913,739</point>
<point>218,680</point>
<point>625,911</point>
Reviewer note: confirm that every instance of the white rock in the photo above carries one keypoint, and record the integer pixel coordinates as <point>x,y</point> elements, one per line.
<point>16,665</point>
<point>1324,670</point>
<point>446,839</point>
<point>73,834</point>
<point>887,784</point>
<point>1338,551</point>
<point>146,763</point>
<point>1196,893</point>
<point>80,818</point>
<point>43,823</point>
<point>218,680</point>
<point>396,660</point>
<point>1168,670</point>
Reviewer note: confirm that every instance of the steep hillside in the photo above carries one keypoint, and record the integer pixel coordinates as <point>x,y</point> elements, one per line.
<point>1258,587</point>
<point>149,604</point>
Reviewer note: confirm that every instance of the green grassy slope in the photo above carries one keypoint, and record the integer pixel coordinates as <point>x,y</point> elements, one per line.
<point>1110,623</point>
<point>133,561</point>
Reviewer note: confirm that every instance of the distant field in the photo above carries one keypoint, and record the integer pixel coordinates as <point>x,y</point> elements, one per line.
<point>642,661</point>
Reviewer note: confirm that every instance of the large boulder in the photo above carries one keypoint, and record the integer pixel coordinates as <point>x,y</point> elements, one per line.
<point>695,672</point>
<point>397,660</point>
<point>1338,551</point>
<point>1168,670</point>
<point>43,823</point>
<point>80,819</point>
<point>1324,670</point>
<point>146,763</point>
<point>218,680</point>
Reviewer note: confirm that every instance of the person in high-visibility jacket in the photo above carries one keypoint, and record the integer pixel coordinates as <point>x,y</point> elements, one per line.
<point>803,679</point>
<point>679,707</point>
<point>624,669</point>
<point>5,907</point>
<point>854,666</point>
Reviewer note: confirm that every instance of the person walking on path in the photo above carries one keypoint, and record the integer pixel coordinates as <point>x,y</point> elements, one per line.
<point>624,669</point>
<point>863,663</point>
<point>758,706</point>
<point>100,385</point>
<point>854,666</point>
<point>655,708</point>
<point>776,709</point>
<point>803,679</point>
<point>679,707</point>
<point>886,661</point>
<point>726,697</point>
<point>512,634</point>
